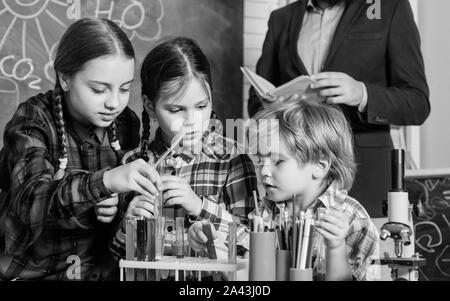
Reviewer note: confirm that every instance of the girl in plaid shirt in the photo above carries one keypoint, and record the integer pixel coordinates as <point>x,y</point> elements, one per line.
<point>60,171</point>
<point>305,149</point>
<point>206,178</point>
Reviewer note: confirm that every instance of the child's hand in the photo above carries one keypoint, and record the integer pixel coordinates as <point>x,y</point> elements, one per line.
<point>196,236</point>
<point>177,191</point>
<point>106,210</point>
<point>333,225</point>
<point>141,206</point>
<point>138,176</point>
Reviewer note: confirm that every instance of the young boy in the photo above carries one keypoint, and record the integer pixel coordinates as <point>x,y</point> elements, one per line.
<point>305,149</point>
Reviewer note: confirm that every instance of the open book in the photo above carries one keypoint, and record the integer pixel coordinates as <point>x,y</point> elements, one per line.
<point>299,85</point>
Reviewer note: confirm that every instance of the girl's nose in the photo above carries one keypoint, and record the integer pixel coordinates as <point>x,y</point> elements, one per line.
<point>113,102</point>
<point>191,118</point>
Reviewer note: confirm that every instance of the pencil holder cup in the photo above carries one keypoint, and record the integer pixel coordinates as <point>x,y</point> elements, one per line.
<point>301,274</point>
<point>283,264</point>
<point>262,261</point>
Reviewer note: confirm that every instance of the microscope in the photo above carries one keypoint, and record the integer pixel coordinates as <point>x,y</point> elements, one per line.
<point>405,263</point>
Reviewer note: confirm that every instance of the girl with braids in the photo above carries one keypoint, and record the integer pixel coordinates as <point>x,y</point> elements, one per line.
<point>206,178</point>
<point>61,169</point>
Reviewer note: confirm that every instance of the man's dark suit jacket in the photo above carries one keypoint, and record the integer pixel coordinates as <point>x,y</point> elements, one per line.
<point>384,54</point>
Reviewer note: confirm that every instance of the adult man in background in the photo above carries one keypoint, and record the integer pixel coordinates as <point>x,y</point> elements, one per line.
<point>369,64</point>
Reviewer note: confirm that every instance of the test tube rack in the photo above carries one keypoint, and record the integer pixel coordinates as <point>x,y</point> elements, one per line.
<point>185,263</point>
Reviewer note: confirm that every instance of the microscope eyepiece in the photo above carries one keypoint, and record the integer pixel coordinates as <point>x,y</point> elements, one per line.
<point>397,169</point>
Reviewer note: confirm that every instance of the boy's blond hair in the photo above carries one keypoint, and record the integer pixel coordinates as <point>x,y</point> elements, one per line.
<point>314,131</point>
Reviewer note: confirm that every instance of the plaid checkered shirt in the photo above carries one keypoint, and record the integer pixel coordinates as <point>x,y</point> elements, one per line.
<point>362,238</point>
<point>43,222</point>
<point>219,174</point>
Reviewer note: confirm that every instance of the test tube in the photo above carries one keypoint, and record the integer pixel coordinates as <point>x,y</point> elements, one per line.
<point>295,239</point>
<point>232,248</point>
<point>141,246</point>
<point>179,228</point>
<point>160,223</point>
<point>321,251</point>
<point>130,231</point>
<point>151,244</point>
<point>151,240</point>
<point>159,205</point>
<point>305,239</point>
<point>210,243</point>
<point>141,238</point>
<point>300,240</point>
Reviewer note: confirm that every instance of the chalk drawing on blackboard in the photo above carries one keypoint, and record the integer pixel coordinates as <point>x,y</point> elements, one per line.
<point>442,261</point>
<point>133,17</point>
<point>432,230</point>
<point>38,25</point>
<point>438,203</point>
<point>423,275</point>
<point>25,9</point>
<point>9,98</point>
<point>446,182</point>
<point>428,238</point>
<point>9,90</point>
<point>26,14</point>
<point>48,67</point>
<point>446,220</point>
<point>446,194</point>
<point>431,184</point>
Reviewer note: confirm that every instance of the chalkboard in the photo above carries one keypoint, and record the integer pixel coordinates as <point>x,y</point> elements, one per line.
<point>432,230</point>
<point>30,31</point>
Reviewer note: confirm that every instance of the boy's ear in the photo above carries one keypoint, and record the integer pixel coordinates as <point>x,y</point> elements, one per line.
<point>149,107</point>
<point>321,168</point>
<point>64,81</point>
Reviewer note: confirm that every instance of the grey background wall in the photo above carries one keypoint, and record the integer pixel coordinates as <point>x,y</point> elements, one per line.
<point>434,26</point>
